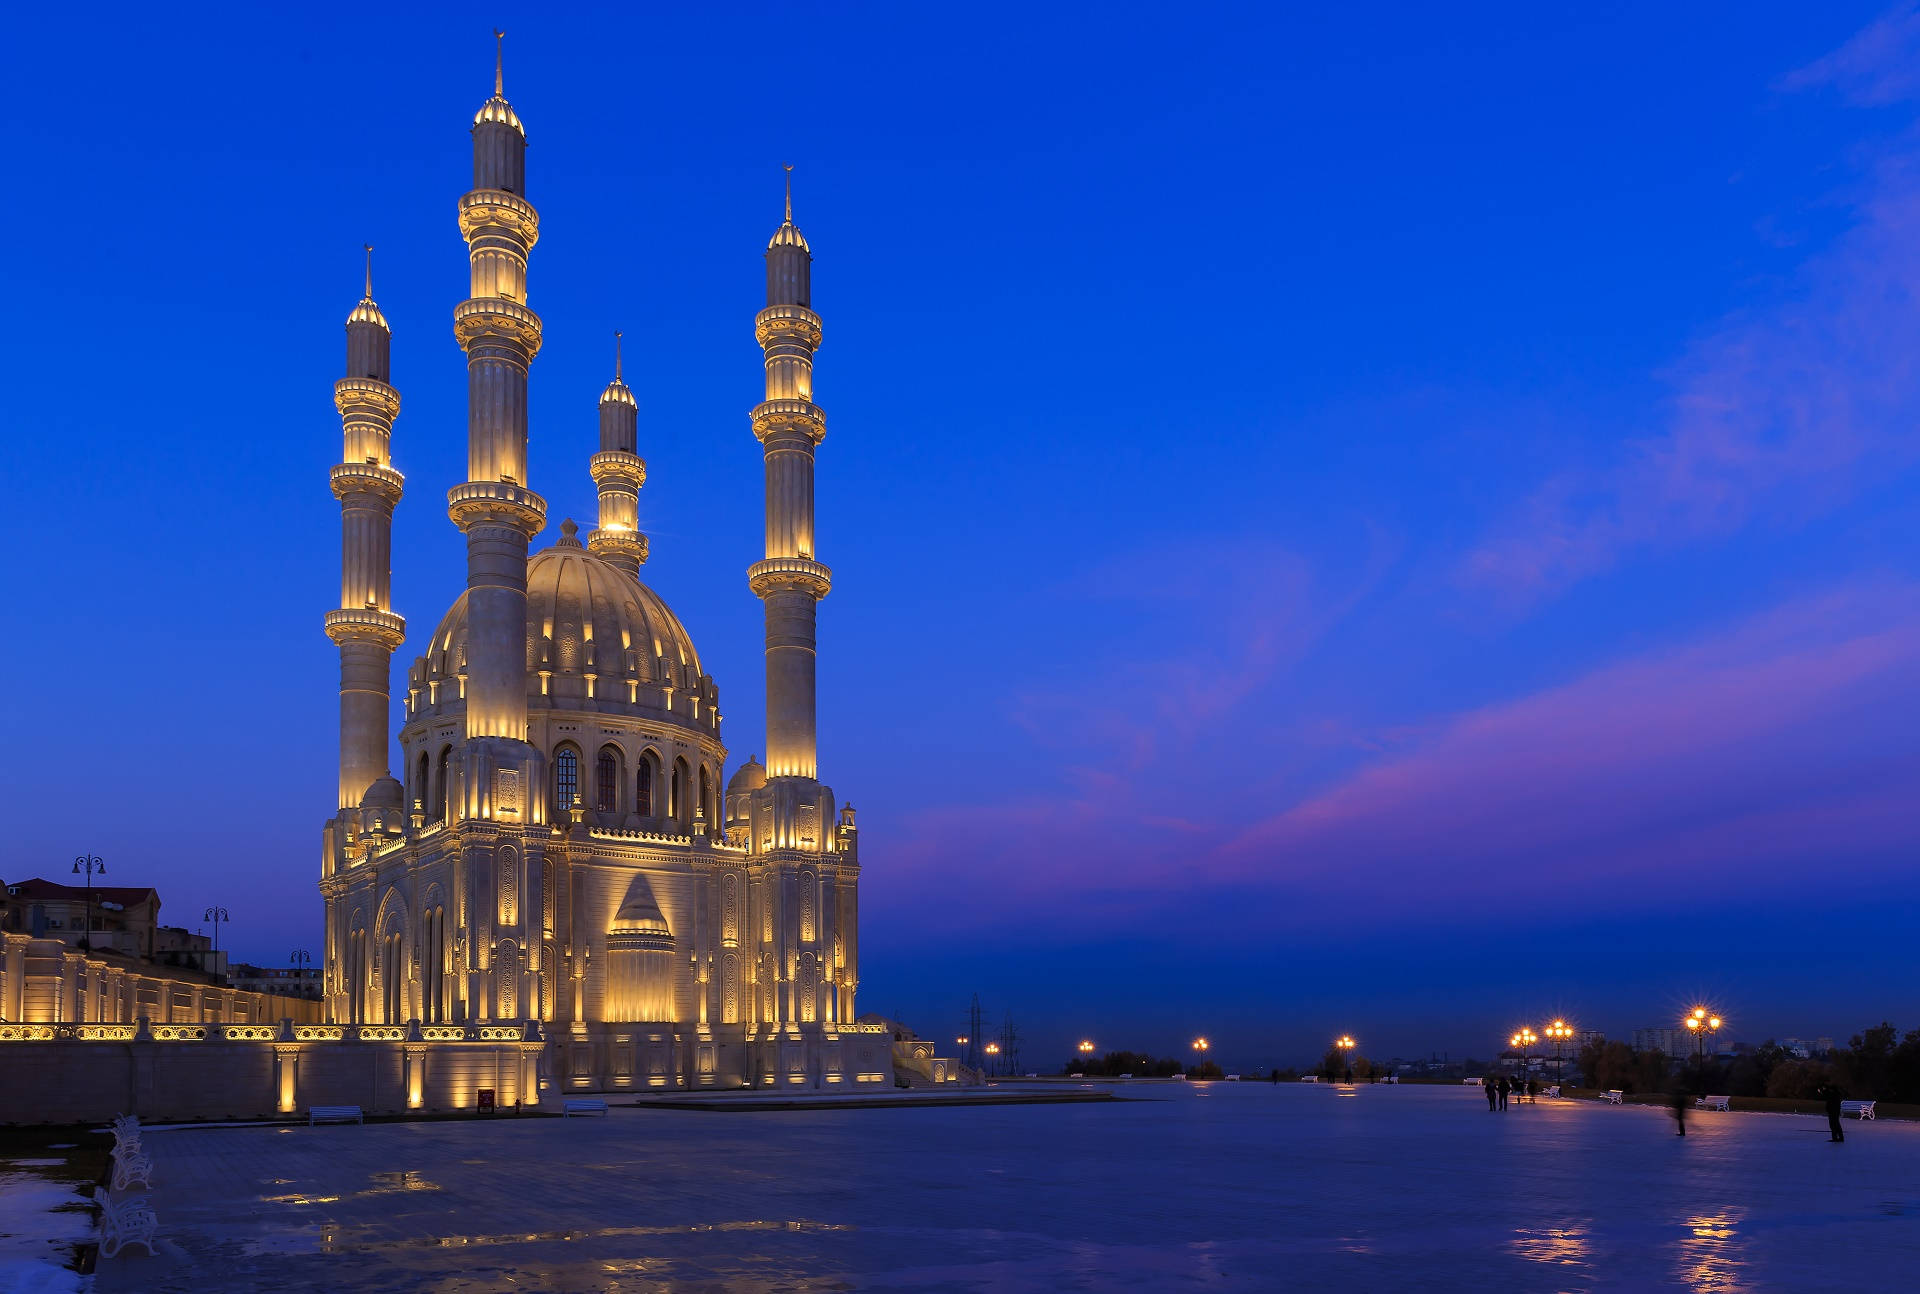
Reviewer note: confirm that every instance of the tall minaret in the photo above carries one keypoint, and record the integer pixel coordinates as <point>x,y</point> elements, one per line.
<point>789,425</point>
<point>619,473</point>
<point>495,509</point>
<point>364,627</point>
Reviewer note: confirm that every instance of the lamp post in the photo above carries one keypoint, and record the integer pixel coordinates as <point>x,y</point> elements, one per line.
<point>216,915</point>
<point>1559,1031</point>
<point>300,958</point>
<point>1700,1022</point>
<point>1346,1045</point>
<point>89,863</point>
<point>1521,1042</point>
<point>1086,1051</point>
<point>993,1049</point>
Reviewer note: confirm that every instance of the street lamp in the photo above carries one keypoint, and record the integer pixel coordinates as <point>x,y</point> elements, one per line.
<point>89,863</point>
<point>216,915</point>
<point>301,957</point>
<point>1560,1031</point>
<point>1700,1022</point>
<point>1520,1042</point>
<point>1086,1047</point>
<point>992,1049</point>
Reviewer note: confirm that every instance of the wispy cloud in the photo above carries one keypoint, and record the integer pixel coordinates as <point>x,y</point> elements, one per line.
<point>1755,752</point>
<point>1781,412</point>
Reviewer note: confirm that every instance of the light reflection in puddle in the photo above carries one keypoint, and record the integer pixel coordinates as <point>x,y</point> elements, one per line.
<point>384,1184</point>
<point>333,1239</point>
<point>1710,1261</point>
<point>1559,1246</point>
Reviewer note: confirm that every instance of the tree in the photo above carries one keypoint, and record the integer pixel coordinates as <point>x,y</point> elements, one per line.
<point>1206,1069</point>
<point>1797,1080</point>
<point>1333,1064</point>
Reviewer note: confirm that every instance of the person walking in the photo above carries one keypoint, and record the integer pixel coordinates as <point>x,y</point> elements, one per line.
<point>1681,1098</point>
<point>1532,1089</point>
<point>1830,1094</point>
<point>1492,1096</point>
<point>1506,1086</point>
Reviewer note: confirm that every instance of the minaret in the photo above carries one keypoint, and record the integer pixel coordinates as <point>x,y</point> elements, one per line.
<point>619,473</point>
<point>495,509</point>
<point>364,627</point>
<point>789,426</point>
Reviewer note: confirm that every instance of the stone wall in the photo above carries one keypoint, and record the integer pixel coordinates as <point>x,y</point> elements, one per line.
<point>89,1072</point>
<point>44,981</point>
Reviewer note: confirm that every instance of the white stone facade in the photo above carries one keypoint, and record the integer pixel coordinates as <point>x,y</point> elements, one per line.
<point>557,846</point>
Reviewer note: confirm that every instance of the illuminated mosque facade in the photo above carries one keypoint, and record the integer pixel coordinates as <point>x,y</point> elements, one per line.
<point>557,847</point>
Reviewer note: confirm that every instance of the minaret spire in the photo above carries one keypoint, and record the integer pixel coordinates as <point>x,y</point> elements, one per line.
<point>618,472</point>
<point>499,63</point>
<point>789,427</point>
<point>364,626</point>
<point>789,166</point>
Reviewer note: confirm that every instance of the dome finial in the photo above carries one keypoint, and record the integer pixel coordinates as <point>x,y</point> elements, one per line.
<point>369,250</point>
<point>568,528</point>
<point>499,63</point>
<point>616,354</point>
<point>789,166</point>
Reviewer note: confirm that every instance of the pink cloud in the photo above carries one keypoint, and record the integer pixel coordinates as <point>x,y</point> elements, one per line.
<point>1782,412</point>
<point>1766,756</point>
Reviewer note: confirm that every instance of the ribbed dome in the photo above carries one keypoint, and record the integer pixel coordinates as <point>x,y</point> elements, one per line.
<point>498,109</point>
<point>583,616</point>
<point>640,912</point>
<point>368,312</point>
<point>618,392</point>
<point>788,235</point>
<point>750,776</point>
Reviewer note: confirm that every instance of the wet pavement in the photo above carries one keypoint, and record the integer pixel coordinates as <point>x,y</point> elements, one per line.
<point>1238,1186</point>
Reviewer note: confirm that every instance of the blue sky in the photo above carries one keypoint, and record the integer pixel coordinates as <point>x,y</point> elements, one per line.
<point>1389,521</point>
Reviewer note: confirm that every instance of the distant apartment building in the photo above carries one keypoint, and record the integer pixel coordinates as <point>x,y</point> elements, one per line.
<point>73,955</point>
<point>1806,1048</point>
<point>1681,1044</point>
<point>288,981</point>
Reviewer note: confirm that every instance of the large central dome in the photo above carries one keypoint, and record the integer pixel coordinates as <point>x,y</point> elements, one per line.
<point>597,639</point>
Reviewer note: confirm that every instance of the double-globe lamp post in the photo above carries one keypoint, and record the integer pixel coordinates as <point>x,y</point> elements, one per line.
<point>89,864</point>
<point>1522,1042</point>
<point>1346,1044</point>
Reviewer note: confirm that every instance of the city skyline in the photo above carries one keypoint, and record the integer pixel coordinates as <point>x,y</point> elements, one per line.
<point>1344,580</point>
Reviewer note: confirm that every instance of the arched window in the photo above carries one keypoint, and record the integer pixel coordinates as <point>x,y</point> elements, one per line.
<point>681,810</point>
<point>437,806</point>
<point>606,777</point>
<point>706,795</point>
<point>643,788</point>
<point>422,793</point>
<point>566,780</point>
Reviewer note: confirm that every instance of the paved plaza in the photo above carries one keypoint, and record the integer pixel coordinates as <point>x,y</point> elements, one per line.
<point>1220,1186</point>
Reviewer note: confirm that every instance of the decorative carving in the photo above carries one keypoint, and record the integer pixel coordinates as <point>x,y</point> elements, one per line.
<point>506,793</point>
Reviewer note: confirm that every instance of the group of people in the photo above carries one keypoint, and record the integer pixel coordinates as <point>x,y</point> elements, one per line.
<point>1499,1089</point>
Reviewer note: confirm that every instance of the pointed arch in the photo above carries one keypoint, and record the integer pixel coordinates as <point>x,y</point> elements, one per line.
<point>606,779</point>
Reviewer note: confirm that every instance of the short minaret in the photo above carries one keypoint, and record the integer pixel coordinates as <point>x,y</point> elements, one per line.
<point>789,426</point>
<point>495,509</point>
<point>619,473</point>
<point>364,627</point>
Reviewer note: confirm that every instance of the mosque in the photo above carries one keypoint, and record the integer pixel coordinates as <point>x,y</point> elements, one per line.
<point>556,848</point>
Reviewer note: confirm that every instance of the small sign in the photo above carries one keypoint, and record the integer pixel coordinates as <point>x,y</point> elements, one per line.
<point>486,1099</point>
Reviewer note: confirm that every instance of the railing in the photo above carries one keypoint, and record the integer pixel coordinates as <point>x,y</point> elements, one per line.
<point>442,1033</point>
<point>179,1032</point>
<point>319,1032</point>
<point>246,1032</point>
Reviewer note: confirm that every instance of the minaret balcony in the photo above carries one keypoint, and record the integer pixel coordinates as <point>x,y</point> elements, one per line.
<point>497,211</point>
<point>619,466</point>
<point>802,416</point>
<point>478,320</point>
<point>603,542</point>
<point>366,395</point>
<point>787,323</point>
<point>367,478</point>
<point>790,575</point>
<point>498,503</point>
<point>366,624</point>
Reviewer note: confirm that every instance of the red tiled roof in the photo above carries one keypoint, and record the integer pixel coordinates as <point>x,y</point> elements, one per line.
<point>123,894</point>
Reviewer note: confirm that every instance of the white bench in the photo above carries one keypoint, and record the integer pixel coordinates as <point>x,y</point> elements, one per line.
<point>126,1221</point>
<point>582,1105</point>
<point>1554,1091</point>
<point>131,1168</point>
<point>1858,1109</point>
<point>1721,1103</point>
<point>334,1114</point>
<point>1615,1096</point>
